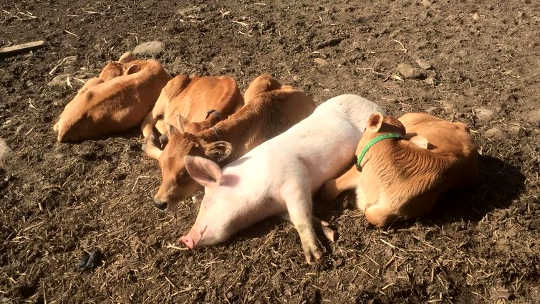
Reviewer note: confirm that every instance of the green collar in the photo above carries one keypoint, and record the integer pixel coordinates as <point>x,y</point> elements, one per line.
<point>371,143</point>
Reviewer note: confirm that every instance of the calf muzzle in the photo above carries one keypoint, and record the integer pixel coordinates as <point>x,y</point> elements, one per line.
<point>160,205</point>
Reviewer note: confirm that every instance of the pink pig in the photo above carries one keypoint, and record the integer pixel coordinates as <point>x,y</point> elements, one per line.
<point>279,175</point>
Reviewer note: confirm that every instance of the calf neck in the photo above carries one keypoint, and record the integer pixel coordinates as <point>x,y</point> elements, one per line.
<point>265,115</point>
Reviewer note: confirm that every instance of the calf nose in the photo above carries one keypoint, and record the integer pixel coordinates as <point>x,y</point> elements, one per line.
<point>163,140</point>
<point>160,205</point>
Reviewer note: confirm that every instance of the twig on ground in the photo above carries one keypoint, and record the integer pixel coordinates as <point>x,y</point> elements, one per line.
<point>21,47</point>
<point>402,46</point>
<point>171,246</point>
<point>392,246</point>
<point>73,34</point>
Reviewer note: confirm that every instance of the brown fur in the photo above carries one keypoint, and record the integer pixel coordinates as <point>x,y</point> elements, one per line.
<point>400,180</point>
<point>184,103</point>
<point>117,100</point>
<point>266,114</point>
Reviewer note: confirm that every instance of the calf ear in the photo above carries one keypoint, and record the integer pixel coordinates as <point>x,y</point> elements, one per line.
<point>132,69</point>
<point>180,122</point>
<point>375,121</point>
<point>126,57</point>
<point>420,141</point>
<point>202,170</point>
<point>218,150</point>
<point>172,130</point>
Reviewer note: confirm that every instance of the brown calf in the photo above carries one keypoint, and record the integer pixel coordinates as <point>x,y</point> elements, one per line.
<point>117,100</point>
<point>185,102</point>
<point>402,178</point>
<point>270,109</point>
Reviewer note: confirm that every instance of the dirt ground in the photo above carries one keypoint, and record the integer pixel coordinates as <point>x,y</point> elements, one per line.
<point>58,201</point>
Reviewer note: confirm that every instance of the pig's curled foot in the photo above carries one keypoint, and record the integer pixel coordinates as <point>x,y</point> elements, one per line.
<point>312,252</point>
<point>328,232</point>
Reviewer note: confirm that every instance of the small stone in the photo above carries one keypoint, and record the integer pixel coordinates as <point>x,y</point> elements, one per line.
<point>188,10</point>
<point>90,260</point>
<point>320,61</point>
<point>447,106</point>
<point>534,117</point>
<point>484,114</point>
<point>5,152</point>
<point>515,130</point>
<point>475,16</point>
<point>59,81</point>
<point>423,64</point>
<point>408,71</point>
<point>151,48</point>
<point>426,3</point>
<point>430,81</point>
<point>494,134</point>
<point>432,110</point>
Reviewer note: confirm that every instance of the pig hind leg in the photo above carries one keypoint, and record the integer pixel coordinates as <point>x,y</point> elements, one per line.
<point>297,198</point>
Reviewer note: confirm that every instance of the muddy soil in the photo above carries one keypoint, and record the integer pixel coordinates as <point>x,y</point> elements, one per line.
<point>481,66</point>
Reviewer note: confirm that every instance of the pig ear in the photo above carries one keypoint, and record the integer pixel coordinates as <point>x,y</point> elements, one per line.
<point>218,151</point>
<point>420,141</point>
<point>202,170</point>
<point>375,121</point>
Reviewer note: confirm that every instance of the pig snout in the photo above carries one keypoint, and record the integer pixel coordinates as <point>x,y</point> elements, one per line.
<point>188,241</point>
<point>194,237</point>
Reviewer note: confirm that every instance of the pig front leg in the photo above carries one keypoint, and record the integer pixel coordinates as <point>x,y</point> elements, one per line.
<point>328,232</point>
<point>299,205</point>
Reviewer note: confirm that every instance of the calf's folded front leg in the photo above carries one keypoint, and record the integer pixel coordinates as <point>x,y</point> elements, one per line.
<point>332,188</point>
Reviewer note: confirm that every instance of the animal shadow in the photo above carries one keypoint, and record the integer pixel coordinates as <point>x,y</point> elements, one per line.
<point>500,183</point>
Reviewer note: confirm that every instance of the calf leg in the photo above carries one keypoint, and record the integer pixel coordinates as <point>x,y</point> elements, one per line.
<point>332,188</point>
<point>147,125</point>
<point>299,205</point>
<point>150,148</point>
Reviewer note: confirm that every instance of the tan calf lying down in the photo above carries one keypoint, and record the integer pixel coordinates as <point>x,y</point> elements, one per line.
<point>270,109</point>
<point>401,178</point>
<point>117,100</point>
<point>185,102</point>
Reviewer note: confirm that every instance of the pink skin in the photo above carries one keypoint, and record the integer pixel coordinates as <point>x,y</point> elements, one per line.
<point>280,175</point>
<point>219,218</point>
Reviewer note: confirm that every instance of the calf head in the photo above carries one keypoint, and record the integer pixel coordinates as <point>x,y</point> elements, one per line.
<point>378,124</point>
<point>176,183</point>
<point>212,118</point>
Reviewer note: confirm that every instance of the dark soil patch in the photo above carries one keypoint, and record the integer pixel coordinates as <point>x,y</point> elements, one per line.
<point>58,201</point>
